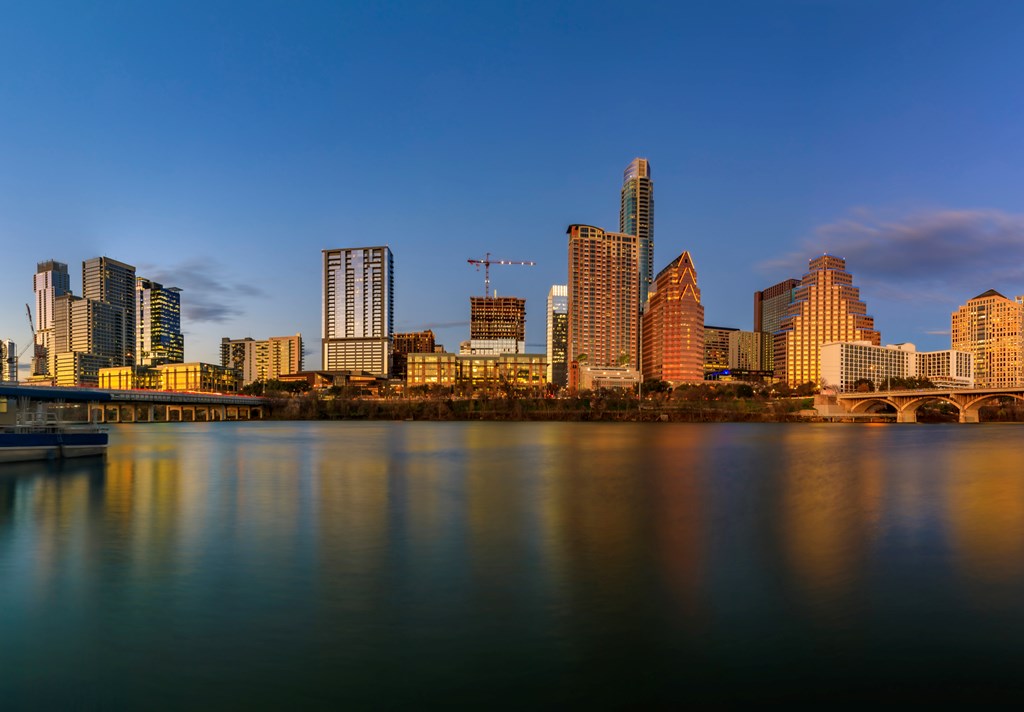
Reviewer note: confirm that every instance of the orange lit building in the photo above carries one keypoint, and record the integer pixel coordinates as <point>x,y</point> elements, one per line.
<point>672,341</point>
<point>826,307</point>
<point>991,327</point>
<point>603,297</point>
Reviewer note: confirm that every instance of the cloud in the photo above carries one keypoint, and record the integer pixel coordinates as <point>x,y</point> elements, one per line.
<point>206,295</point>
<point>940,255</point>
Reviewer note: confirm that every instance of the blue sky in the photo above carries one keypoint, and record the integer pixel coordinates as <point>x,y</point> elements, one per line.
<point>220,146</point>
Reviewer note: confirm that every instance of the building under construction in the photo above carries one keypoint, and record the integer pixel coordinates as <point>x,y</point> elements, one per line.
<point>497,318</point>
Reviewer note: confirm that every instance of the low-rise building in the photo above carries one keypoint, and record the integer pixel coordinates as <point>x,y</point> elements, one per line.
<point>194,377</point>
<point>477,371</point>
<point>847,363</point>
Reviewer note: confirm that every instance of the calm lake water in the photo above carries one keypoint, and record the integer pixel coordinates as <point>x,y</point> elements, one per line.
<point>500,565</point>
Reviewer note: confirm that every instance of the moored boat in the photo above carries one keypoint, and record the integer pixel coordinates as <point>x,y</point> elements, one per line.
<point>40,436</point>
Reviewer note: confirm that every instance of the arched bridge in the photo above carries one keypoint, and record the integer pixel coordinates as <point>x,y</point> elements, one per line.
<point>968,402</point>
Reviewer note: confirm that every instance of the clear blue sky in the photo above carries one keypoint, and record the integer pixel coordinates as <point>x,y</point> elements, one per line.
<point>220,146</point>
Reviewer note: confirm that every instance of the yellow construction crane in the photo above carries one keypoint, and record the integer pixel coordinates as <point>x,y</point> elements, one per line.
<point>487,262</point>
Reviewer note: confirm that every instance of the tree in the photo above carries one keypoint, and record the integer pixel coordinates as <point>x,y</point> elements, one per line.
<point>864,385</point>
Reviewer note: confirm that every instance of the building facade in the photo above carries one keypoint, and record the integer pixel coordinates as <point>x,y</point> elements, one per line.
<point>991,327</point>
<point>770,306</point>
<point>603,298</point>
<point>558,335</point>
<point>636,217</point>
<point>826,307</point>
<point>716,348</point>
<point>263,360</point>
<point>358,309</point>
<point>497,318</point>
<point>158,328</point>
<point>8,361</point>
<point>477,372</point>
<point>113,283</point>
<point>414,342</point>
<point>50,281</point>
<point>846,364</point>
<point>672,337</point>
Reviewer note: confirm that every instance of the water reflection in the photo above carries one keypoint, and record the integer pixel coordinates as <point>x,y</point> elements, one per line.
<point>275,562</point>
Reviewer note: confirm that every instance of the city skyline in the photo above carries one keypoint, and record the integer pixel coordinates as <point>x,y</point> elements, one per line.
<point>225,163</point>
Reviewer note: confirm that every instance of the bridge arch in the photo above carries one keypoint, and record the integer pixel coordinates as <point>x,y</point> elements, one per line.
<point>971,411</point>
<point>864,406</point>
<point>907,411</point>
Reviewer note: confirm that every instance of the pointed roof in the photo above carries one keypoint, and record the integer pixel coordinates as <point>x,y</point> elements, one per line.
<point>989,293</point>
<point>677,262</point>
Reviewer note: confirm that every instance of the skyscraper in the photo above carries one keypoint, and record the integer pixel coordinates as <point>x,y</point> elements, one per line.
<point>603,297</point>
<point>111,282</point>
<point>50,281</point>
<point>159,338</point>
<point>497,325</point>
<point>636,217</point>
<point>673,326</point>
<point>557,335</point>
<point>991,327</point>
<point>358,313</point>
<point>770,306</point>
<point>8,361</point>
<point>826,307</point>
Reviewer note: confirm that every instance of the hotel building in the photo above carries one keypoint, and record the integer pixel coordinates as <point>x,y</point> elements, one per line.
<point>358,309</point>
<point>603,298</point>
<point>991,327</point>
<point>636,217</point>
<point>844,364</point>
<point>672,341</point>
<point>826,307</point>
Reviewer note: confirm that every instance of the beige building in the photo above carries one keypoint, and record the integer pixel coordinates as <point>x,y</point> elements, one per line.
<point>991,327</point>
<point>826,307</point>
<point>603,298</point>
<point>263,360</point>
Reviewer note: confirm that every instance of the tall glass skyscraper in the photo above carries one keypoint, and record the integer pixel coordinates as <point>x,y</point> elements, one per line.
<point>159,324</point>
<point>558,334</point>
<point>50,281</point>
<point>636,217</point>
<point>358,313</point>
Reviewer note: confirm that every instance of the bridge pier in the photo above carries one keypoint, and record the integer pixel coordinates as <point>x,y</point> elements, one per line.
<point>906,415</point>
<point>970,415</point>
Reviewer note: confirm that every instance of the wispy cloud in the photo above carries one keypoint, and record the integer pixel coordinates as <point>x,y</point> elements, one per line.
<point>932,256</point>
<point>206,295</point>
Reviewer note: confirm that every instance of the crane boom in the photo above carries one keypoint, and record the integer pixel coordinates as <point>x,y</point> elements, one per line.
<point>487,262</point>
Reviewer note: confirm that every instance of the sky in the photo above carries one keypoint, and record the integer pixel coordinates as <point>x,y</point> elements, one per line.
<point>221,146</point>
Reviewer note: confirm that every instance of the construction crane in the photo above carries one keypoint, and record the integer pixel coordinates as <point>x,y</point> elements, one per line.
<point>32,328</point>
<point>487,262</point>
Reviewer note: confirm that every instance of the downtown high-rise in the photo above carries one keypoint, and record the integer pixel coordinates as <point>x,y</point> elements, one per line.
<point>991,327</point>
<point>50,281</point>
<point>358,309</point>
<point>603,297</point>
<point>557,335</point>
<point>770,306</point>
<point>636,217</point>
<point>158,328</point>
<point>826,307</point>
<point>672,341</point>
<point>113,283</point>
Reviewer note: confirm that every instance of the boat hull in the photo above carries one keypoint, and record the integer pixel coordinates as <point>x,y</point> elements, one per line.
<point>24,446</point>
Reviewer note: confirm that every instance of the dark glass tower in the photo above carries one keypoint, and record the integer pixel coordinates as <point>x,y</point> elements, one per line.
<point>636,217</point>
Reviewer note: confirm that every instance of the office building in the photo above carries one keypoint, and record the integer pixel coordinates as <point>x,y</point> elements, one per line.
<point>557,335</point>
<point>770,306</point>
<point>636,217</point>
<point>991,327</point>
<point>845,365</point>
<point>263,360</point>
<point>716,349</point>
<point>413,342</point>
<point>476,372</point>
<point>358,309</point>
<point>672,340</point>
<point>158,329</point>
<point>603,298</point>
<point>113,283</point>
<point>826,307</point>
<point>747,352</point>
<point>50,281</point>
